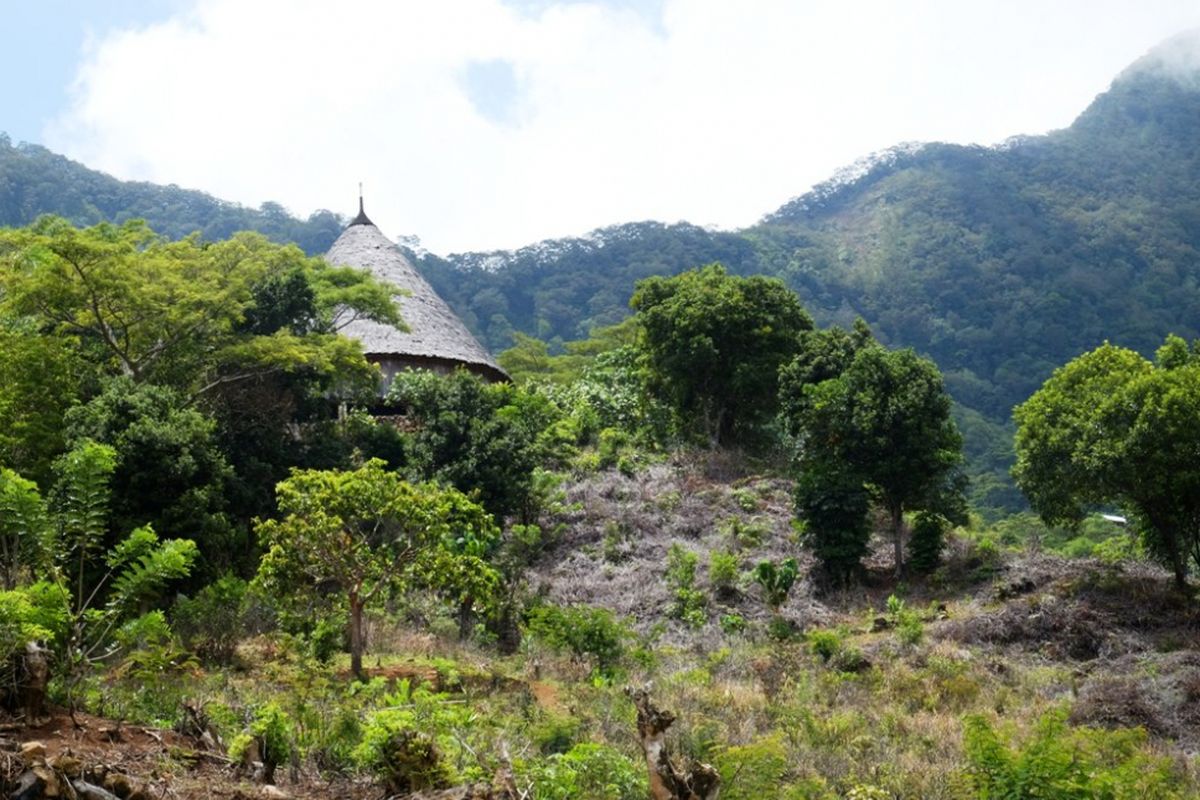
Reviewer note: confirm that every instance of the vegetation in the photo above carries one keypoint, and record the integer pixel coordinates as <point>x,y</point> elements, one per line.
<point>203,526</point>
<point>1111,427</point>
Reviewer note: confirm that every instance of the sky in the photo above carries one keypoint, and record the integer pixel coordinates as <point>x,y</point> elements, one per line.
<point>482,124</point>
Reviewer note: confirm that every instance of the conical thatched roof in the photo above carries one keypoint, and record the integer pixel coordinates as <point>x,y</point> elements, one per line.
<point>436,338</point>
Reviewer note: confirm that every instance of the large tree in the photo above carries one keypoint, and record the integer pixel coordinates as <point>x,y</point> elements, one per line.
<point>883,424</point>
<point>714,344</point>
<point>189,314</point>
<point>1112,427</point>
<point>367,532</point>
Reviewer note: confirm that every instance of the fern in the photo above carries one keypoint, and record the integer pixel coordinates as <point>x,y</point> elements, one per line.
<point>25,532</point>
<point>153,565</point>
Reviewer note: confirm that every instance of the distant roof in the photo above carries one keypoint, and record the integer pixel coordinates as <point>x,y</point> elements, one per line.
<point>435,331</point>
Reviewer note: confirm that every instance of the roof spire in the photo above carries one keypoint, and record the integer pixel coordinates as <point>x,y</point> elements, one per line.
<point>362,218</point>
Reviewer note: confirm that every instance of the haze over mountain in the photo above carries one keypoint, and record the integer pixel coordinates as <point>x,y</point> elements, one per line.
<point>1001,263</point>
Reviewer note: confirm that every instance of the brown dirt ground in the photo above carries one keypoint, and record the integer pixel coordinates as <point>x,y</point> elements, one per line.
<point>164,763</point>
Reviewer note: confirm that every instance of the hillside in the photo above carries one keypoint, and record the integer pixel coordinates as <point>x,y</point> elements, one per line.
<point>999,262</point>
<point>35,181</point>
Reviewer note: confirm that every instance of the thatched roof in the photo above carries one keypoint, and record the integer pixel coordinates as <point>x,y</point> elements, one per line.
<point>435,334</point>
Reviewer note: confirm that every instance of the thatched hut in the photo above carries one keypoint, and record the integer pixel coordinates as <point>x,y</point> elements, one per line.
<point>436,340</point>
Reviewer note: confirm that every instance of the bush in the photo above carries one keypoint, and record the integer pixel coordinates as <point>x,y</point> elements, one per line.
<point>214,621</point>
<point>271,731</point>
<point>928,538</point>
<point>909,628</point>
<point>689,605</point>
<point>555,734</point>
<point>588,770</point>
<point>753,771</point>
<point>1058,762</point>
<point>584,631</point>
<point>723,570</point>
<point>776,581</point>
<point>825,644</point>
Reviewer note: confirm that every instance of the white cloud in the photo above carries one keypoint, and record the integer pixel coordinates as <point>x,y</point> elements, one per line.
<point>716,113</point>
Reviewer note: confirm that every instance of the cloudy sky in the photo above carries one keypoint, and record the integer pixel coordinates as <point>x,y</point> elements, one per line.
<point>478,124</point>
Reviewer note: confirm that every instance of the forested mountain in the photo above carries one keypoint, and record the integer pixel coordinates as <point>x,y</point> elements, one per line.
<point>999,262</point>
<point>35,181</point>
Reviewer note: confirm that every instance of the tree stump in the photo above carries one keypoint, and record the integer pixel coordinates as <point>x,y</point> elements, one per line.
<point>669,780</point>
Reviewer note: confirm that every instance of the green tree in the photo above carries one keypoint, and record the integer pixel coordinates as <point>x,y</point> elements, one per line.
<point>26,541</point>
<point>40,378</point>
<point>833,505</point>
<point>368,532</point>
<point>714,344</point>
<point>1111,427</point>
<point>885,421</point>
<point>481,438</point>
<point>183,313</point>
<point>169,470</point>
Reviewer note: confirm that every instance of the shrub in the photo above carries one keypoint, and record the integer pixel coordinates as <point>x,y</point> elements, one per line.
<point>752,771</point>
<point>723,571</point>
<point>584,631</point>
<point>824,643</point>
<point>746,534</point>
<point>214,621</point>
<point>733,623</point>
<point>776,581</point>
<point>928,537</point>
<point>1057,761</point>
<point>271,731</point>
<point>588,770</point>
<point>689,604</point>
<point>909,628</point>
<point>555,733</point>
<point>405,760</point>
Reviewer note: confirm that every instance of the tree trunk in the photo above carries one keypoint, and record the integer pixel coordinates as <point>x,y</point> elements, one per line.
<point>668,780</point>
<point>466,619</point>
<point>1178,563</point>
<point>356,638</point>
<point>898,539</point>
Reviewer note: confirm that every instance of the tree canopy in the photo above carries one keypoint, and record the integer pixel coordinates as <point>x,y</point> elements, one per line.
<point>713,344</point>
<point>882,425</point>
<point>368,532</point>
<point>1112,427</point>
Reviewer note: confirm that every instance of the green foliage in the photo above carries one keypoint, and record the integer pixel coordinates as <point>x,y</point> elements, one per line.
<point>26,536</point>
<point>368,532</point>
<point>714,343</point>
<point>753,771</point>
<point>18,627</point>
<point>40,378</point>
<point>1058,762</point>
<point>883,424</point>
<point>724,570</point>
<point>689,603</point>
<point>833,504</point>
<point>169,470</point>
<point>413,740</point>
<point>824,643</point>
<point>1111,427</point>
<point>271,729</point>
<point>162,311</point>
<point>775,581</point>
<point>909,628</point>
<point>213,621</point>
<point>481,438</point>
<point>588,771</point>
<point>583,631</point>
<point>925,545</point>
<point>555,733</point>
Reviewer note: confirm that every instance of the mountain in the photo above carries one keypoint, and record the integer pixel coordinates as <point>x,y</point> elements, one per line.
<point>35,181</point>
<point>1001,263</point>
